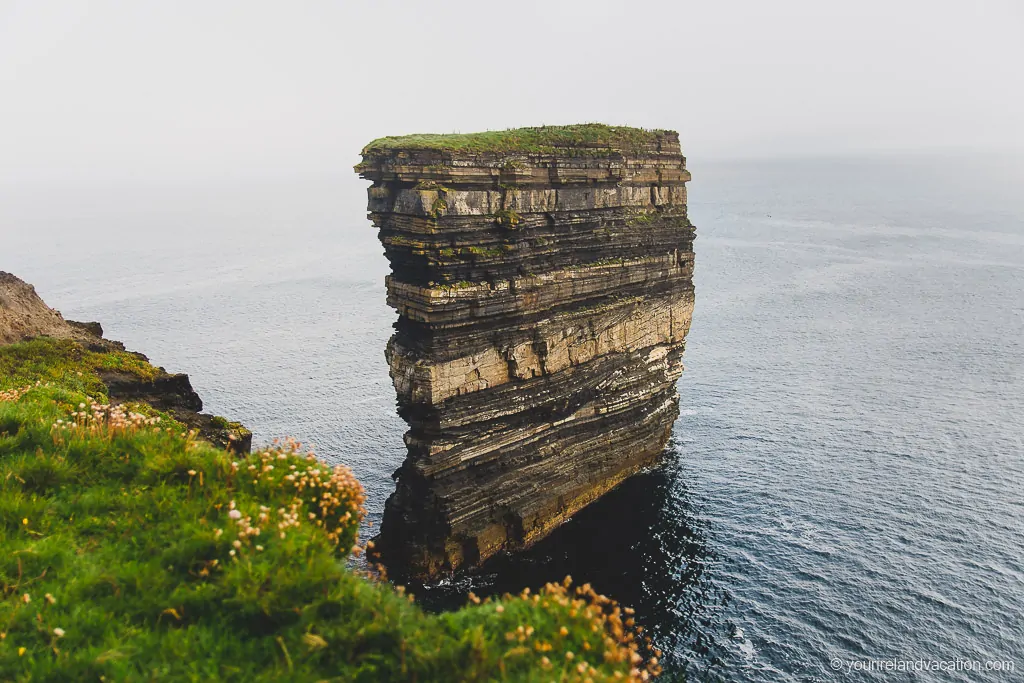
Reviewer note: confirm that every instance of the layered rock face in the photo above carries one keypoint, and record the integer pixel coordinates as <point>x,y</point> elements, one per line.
<point>543,280</point>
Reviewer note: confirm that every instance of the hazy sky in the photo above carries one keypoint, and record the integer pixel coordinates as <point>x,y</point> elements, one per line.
<point>98,89</point>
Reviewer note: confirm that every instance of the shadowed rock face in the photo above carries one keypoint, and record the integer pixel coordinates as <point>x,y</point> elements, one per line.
<point>544,297</point>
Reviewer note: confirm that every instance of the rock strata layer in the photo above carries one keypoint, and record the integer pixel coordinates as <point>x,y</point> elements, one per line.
<point>543,280</point>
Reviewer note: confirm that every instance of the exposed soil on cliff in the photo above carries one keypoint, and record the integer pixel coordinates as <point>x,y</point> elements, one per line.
<point>24,315</point>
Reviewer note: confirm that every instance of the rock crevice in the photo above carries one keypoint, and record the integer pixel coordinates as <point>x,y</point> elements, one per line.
<point>544,290</point>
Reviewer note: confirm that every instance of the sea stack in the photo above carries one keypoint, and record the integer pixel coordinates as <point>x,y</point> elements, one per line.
<point>543,281</point>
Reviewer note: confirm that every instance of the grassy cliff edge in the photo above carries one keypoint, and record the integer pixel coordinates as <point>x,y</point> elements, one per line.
<point>131,550</point>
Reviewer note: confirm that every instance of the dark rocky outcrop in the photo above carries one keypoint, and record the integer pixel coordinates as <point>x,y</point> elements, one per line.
<point>24,315</point>
<point>543,280</point>
<point>173,393</point>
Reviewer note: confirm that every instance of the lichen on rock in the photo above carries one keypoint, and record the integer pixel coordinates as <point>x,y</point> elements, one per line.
<point>543,280</point>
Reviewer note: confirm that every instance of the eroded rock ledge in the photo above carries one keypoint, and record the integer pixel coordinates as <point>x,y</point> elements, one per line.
<point>543,280</point>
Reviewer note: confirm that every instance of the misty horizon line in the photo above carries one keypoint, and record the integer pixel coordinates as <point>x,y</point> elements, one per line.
<point>282,172</point>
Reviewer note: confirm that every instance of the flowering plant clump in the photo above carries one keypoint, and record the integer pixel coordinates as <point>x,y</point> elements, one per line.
<point>575,633</point>
<point>12,395</point>
<point>330,498</point>
<point>98,419</point>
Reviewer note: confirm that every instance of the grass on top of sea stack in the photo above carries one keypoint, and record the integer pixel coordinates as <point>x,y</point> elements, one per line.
<point>129,550</point>
<point>541,139</point>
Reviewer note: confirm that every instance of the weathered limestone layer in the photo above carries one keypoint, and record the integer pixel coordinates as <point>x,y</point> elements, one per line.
<point>544,293</point>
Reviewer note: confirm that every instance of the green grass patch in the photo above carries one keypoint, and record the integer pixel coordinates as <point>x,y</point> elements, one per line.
<point>68,364</point>
<point>122,361</point>
<point>542,139</point>
<point>489,252</point>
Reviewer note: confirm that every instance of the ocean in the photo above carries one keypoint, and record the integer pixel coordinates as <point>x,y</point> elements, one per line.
<point>843,495</point>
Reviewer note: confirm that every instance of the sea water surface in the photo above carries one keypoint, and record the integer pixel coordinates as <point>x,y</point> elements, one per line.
<point>845,481</point>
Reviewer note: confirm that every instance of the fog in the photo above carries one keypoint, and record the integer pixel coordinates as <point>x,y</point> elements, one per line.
<point>165,92</point>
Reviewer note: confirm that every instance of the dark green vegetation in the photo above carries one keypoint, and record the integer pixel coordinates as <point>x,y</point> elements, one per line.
<point>130,550</point>
<point>507,218</point>
<point>642,218</point>
<point>68,363</point>
<point>542,139</point>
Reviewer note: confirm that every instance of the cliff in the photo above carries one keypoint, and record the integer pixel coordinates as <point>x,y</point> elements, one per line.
<point>543,280</point>
<point>123,376</point>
